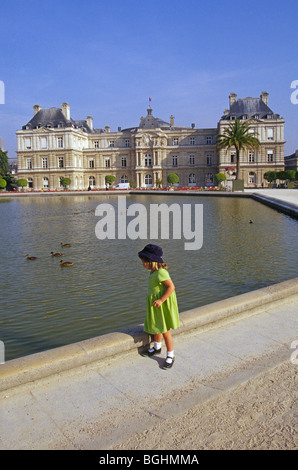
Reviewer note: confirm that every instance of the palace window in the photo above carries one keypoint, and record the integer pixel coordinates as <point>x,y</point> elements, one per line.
<point>270,134</point>
<point>96,144</point>
<point>91,163</point>
<point>192,141</point>
<point>112,143</point>
<point>175,160</point>
<point>45,183</point>
<point>175,141</point>
<point>29,164</point>
<point>44,163</point>
<point>270,156</point>
<point>148,180</point>
<point>191,160</point>
<point>123,162</point>
<point>233,157</point>
<point>209,178</point>
<point>192,178</point>
<point>92,181</point>
<point>148,160</point>
<point>127,143</point>
<point>44,143</point>
<point>252,177</point>
<point>60,142</point>
<point>251,157</point>
<point>60,162</point>
<point>124,179</point>
<point>209,140</point>
<point>28,143</point>
<point>107,162</point>
<point>209,159</point>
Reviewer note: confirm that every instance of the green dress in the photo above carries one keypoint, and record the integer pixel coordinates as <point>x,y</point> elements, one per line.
<point>160,319</point>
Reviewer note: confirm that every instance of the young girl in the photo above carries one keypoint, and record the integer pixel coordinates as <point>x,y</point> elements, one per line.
<point>162,307</point>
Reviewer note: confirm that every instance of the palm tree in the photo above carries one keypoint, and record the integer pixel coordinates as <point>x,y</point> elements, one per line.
<point>240,136</point>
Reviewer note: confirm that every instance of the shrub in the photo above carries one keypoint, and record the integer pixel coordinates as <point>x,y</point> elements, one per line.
<point>22,182</point>
<point>173,178</point>
<point>3,183</point>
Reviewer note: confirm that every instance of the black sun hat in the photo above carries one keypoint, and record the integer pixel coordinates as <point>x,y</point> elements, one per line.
<point>152,252</point>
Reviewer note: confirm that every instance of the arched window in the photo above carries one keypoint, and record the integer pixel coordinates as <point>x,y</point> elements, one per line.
<point>192,179</point>
<point>30,183</point>
<point>252,177</point>
<point>92,181</point>
<point>209,179</point>
<point>45,183</point>
<point>124,179</point>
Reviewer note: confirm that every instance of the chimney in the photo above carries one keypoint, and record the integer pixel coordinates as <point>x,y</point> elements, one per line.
<point>36,108</point>
<point>172,118</point>
<point>264,97</point>
<point>107,129</point>
<point>66,110</point>
<point>232,98</point>
<point>90,122</point>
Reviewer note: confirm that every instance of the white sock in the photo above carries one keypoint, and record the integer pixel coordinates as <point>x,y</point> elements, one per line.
<point>170,356</point>
<point>156,346</point>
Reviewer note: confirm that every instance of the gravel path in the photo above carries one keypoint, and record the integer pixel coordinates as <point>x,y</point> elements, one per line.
<point>256,415</point>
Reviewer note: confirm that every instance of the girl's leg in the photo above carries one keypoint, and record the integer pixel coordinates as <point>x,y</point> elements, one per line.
<point>169,341</point>
<point>158,338</point>
<point>170,350</point>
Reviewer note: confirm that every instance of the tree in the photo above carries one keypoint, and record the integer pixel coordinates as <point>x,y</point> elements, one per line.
<point>3,163</point>
<point>173,178</point>
<point>270,176</point>
<point>110,179</point>
<point>3,183</point>
<point>220,177</point>
<point>240,136</point>
<point>65,182</point>
<point>22,183</point>
<point>290,175</point>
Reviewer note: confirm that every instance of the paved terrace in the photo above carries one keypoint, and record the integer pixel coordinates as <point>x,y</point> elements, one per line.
<point>235,361</point>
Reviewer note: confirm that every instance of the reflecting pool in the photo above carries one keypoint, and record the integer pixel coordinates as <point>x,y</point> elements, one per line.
<point>44,306</point>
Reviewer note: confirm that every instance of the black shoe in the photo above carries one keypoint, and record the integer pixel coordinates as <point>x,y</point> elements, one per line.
<point>151,352</point>
<point>168,365</point>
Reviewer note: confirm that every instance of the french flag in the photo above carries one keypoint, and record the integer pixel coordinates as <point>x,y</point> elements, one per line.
<point>150,99</point>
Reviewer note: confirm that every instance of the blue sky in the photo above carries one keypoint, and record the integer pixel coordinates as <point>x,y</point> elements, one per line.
<point>107,58</point>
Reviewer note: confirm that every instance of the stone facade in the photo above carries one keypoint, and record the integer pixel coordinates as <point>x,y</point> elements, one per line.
<point>53,145</point>
<point>269,128</point>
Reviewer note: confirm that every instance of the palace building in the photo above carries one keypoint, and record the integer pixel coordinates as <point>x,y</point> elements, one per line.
<point>52,145</point>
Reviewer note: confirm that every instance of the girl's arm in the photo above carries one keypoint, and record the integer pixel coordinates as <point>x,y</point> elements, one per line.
<point>170,289</point>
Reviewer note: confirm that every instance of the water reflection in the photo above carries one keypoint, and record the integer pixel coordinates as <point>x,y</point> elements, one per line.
<point>44,305</point>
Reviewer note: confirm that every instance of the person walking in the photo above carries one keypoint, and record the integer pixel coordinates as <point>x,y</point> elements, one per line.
<point>162,307</point>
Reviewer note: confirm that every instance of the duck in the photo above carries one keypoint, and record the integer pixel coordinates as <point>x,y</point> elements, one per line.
<point>56,254</point>
<point>31,257</point>
<point>65,263</point>
<point>68,245</point>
